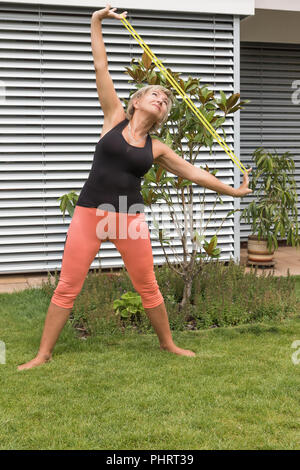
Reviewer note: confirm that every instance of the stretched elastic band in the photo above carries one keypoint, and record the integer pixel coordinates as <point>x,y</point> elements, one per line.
<point>189,102</point>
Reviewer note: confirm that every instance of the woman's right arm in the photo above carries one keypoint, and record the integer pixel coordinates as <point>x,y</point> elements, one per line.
<point>98,47</point>
<point>109,100</point>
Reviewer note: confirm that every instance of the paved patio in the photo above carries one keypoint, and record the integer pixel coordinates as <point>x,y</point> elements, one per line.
<point>285,257</point>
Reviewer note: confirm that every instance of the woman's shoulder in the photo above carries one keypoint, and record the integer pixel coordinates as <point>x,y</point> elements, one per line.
<point>157,147</point>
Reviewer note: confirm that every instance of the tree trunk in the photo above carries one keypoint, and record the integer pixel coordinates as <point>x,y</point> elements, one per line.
<point>187,291</point>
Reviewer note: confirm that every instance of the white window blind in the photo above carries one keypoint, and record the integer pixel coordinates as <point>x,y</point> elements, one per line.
<point>270,77</point>
<point>51,117</point>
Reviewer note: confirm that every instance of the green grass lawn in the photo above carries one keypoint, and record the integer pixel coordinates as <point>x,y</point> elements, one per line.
<point>122,392</point>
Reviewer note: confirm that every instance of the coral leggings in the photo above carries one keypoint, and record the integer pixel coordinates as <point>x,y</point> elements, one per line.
<point>129,233</point>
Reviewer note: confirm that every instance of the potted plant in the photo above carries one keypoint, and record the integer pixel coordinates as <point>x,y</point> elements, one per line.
<point>273,213</point>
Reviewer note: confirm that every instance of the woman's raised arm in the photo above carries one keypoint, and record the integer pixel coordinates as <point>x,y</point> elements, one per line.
<point>98,47</point>
<point>110,102</point>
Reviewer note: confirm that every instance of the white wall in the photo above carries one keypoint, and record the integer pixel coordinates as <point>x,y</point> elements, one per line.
<point>237,7</point>
<point>289,5</point>
<point>271,26</point>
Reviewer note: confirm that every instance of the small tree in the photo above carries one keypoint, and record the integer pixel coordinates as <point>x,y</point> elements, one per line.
<point>183,125</point>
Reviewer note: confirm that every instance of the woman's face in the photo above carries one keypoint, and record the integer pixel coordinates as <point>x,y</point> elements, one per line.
<point>155,102</point>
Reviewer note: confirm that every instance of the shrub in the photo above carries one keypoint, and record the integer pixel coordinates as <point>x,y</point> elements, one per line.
<point>223,294</point>
<point>227,295</point>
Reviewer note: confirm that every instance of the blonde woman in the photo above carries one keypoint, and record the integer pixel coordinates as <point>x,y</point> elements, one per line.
<point>111,198</point>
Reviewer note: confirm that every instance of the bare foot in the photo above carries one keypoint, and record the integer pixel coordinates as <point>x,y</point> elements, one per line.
<point>37,361</point>
<point>181,352</point>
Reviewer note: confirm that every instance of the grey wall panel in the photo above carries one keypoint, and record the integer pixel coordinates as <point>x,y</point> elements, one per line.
<point>51,118</point>
<point>270,78</point>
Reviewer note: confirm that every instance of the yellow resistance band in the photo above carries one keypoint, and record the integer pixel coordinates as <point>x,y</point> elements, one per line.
<point>182,93</point>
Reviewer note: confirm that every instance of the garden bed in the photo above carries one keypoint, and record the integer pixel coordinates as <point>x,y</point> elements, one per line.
<point>223,294</point>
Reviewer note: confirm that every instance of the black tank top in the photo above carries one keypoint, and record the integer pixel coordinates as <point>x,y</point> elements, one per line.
<point>116,171</point>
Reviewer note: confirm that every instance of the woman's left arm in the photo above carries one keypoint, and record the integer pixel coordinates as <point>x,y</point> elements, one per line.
<point>170,161</point>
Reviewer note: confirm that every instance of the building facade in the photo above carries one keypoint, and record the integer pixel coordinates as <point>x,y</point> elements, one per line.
<point>51,117</point>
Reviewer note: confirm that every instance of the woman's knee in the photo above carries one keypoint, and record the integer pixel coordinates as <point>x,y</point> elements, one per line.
<point>65,294</point>
<point>151,300</point>
<point>150,293</point>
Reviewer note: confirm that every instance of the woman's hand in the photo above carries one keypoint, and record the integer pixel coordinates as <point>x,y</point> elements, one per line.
<point>109,13</point>
<point>243,190</point>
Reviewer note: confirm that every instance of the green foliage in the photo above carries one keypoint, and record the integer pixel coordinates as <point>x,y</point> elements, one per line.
<point>170,284</point>
<point>210,248</point>
<point>50,285</point>
<point>68,203</point>
<point>223,294</point>
<point>227,295</point>
<point>129,306</point>
<point>273,214</point>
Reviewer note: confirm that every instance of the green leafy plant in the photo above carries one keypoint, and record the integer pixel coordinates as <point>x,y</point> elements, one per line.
<point>129,307</point>
<point>68,203</point>
<point>273,214</point>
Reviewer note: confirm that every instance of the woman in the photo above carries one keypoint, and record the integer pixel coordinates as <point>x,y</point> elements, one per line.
<point>111,197</point>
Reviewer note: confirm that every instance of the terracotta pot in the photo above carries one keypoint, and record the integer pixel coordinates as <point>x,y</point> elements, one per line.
<point>258,251</point>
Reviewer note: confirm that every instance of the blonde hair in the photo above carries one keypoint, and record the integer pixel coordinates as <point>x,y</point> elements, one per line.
<point>141,92</point>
